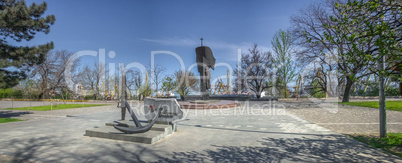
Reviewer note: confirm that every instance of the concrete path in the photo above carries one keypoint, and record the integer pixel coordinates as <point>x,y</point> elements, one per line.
<point>345,118</point>
<point>251,133</point>
<point>15,104</point>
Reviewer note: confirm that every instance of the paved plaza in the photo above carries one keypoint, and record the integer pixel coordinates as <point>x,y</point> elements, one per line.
<point>344,118</point>
<point>253,132</point>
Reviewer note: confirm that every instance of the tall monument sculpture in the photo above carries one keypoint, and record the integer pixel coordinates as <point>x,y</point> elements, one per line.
<point>205,61</point>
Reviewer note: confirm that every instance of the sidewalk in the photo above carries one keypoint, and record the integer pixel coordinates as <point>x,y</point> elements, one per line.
<point>217,136</point>
<point>346,119</point>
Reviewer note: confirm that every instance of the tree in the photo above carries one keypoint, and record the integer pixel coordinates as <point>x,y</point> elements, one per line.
<point>186,82</point>
<point>330,82</point>
<point>254,71</point>
<point>134,80</point>
<point>168,84</point>
<point>99,72</point>
<point>317,90</point>
<point>91,77</point>
<point>87,77</point>
<point>285,68</point>
<point>307,30</point>
<point>317,85</point>
<point>374,24</point>
<point>145,89</point>
<point>20,22</point>
<point>370,30</point>
<point>156,72</point>
<point>327,28</point>
<point>377,25</point>
<point>52,71</point>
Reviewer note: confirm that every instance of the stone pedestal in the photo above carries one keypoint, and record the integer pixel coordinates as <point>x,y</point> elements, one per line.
<point>205,97</point>
<point>156,133</point>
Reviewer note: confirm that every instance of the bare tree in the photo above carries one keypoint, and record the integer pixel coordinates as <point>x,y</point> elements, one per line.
<point>186,82</point>
<point>99,74</point>
<point>91,77</point>
<point>52,71</point>
<point>254,71</point>
<point>44,70</point>
<point>156,72</point>
<point>310,28</point>
<point>134,80</point>
<point>86,77</point>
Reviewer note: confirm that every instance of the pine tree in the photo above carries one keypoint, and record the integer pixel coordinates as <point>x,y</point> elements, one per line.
<point>19,22</point>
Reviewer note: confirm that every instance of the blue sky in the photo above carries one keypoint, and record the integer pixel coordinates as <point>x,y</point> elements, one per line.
<point>132,29</point>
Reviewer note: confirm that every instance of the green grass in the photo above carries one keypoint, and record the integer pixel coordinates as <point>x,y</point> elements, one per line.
<point>389,105</point>
<point>390,143</point>
<point>5,120</point>
<point>56,107</point>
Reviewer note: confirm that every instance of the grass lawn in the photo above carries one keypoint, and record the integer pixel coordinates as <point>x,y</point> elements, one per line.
<point>392,143</point>
<point>390,105</point>
<point>5,120</point>
<point>56,107</point>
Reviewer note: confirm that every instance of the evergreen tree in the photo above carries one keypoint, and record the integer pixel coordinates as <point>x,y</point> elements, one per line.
<point>19,22</point>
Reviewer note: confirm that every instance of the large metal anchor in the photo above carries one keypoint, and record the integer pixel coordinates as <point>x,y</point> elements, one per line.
<point>124,105</point>
<point>139,128</point>
<point>164,110</point>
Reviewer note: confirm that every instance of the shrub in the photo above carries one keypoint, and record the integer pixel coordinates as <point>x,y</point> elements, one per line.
<point>392,91</point>
<point>89,97</point>
<point>10,93</point>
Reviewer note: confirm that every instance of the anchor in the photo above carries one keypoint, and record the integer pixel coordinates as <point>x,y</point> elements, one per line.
<point>124,105</point>
<point>139,128</point>
<point>163,110</point>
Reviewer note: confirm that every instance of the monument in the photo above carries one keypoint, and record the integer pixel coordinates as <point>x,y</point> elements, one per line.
<point>205,60</point>
<point>160,113</point>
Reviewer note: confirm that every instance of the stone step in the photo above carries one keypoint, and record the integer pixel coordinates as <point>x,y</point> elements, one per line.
<point>156,133</point>
<point>157,126</point>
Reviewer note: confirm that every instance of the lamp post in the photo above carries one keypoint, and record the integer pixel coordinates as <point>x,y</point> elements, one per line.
<point>383,115</point>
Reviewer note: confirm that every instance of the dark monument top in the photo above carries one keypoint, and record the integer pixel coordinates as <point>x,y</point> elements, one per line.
<point>205,57</point>
<point>205,60</point>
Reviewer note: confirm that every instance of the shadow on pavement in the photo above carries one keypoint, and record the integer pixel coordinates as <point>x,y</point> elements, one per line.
<point>11,114</point>
<point>251,131</point>
<point>333,148</point>
<point>321,149</point>
<point>50,149</point>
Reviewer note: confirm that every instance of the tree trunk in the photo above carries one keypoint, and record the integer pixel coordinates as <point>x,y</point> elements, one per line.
<point>400,89</point>
<point>348,87</point>
<point>156,89</point>
<point>66,97</point>
<point>286,91</point>
<point>45,94</point>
